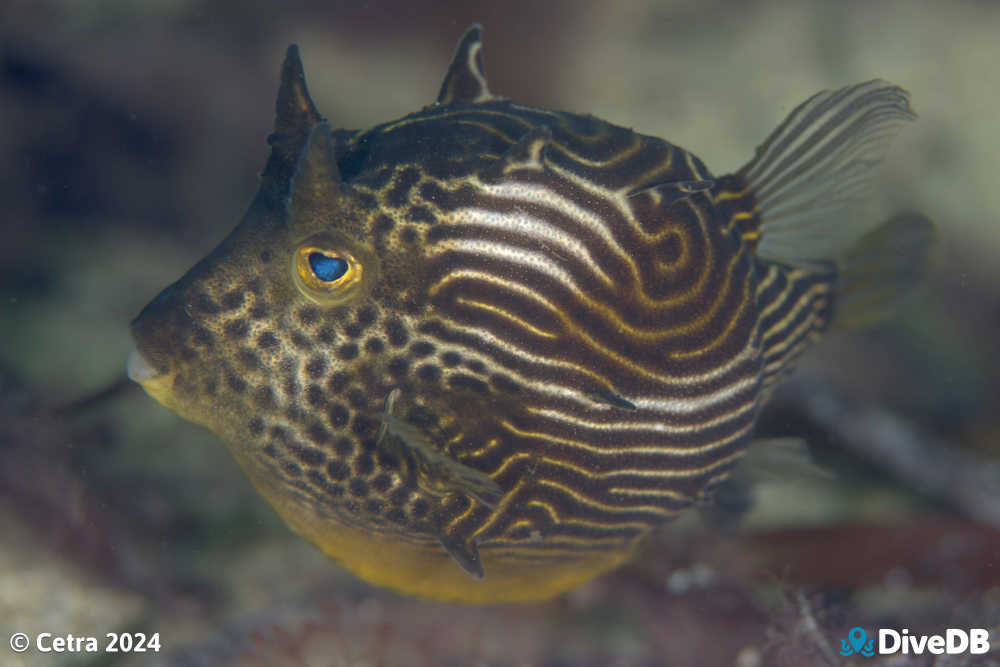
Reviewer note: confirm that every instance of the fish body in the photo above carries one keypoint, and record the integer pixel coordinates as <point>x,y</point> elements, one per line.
<point>479,352</point>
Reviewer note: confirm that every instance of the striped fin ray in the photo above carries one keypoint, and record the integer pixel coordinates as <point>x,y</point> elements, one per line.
<point>817,164</point>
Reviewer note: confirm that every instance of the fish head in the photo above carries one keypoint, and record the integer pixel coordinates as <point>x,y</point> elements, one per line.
<point>279,339</point>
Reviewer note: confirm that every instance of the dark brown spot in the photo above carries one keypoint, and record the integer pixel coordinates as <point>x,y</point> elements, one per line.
<point>429,372</point>
<point>357,488</point>
<point>326,335</point>
<point>271,450</point>
<point>374,345</point>
<point>385,460</point>
<point>315,367</point>
<point>373,506</point>
<point>267,340</point>
<point>357,398</point>
<point>232,300</point>
<point>338,415</point>
<point>236,383</point>
<point>451,359</point>
<point>362,425</point>
<point>316,396</point>
<point>248,358</point>
<point>420,214</point>
<point>421,349</point>
<point>256,426</point>
<point>367,316</point>
<point>255,287</point>
<point>419,508</point>
<point>364,465</point>
<point>265,256</point>
<point>367,201</point>
<point>353,330</point>
<point>434,193</point>
<point>399,366</point>
<point>344,447</point>
<point>410,235</point>
<point>396,332</point>
<point>258,311</point>
<point>300,340</point>
<point>318,435</point>
<point>308,315</point>
<point>347,351</point>
<point>291,468</point>
<point>384,224</point>
<point>292,386</point>
<point>263,397</point>
<point>399,497</point>
<point>475,366</point>
<point>338,382</point>
<point>396,515</point>
<point>382,482</point>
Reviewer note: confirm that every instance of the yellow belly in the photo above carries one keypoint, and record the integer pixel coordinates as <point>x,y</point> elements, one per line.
<point>426,570</point>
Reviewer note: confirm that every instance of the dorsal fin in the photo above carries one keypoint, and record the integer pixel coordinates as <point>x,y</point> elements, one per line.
<point>295,118</point>
<point>465,82</point>
<point>316,179</point>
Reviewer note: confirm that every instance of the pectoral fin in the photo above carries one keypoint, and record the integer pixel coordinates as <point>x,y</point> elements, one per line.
<point>436,472</point>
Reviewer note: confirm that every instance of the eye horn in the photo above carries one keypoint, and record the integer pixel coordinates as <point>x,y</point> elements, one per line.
<point>331,269</point>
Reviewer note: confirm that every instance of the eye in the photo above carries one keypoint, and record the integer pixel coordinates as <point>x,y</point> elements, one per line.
<point>328,269</point>
<point>332,269</point>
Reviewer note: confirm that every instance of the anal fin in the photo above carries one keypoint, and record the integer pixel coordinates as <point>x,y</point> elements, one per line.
<point>465,553</point>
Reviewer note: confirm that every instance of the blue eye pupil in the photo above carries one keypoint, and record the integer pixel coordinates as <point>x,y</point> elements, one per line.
<point>327,268</point>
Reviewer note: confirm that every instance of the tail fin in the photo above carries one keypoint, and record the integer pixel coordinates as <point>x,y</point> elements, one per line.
<point>806,178</point>
<point>796,202</point>
<point>881,270</point>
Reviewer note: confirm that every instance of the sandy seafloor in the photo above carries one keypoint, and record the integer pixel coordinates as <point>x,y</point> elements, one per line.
<point>131,135</point>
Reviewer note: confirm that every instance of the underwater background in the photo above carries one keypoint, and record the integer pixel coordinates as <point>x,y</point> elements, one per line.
<point>132,135</point>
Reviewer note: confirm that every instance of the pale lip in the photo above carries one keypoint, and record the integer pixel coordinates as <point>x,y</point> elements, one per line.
<point>138,369</point>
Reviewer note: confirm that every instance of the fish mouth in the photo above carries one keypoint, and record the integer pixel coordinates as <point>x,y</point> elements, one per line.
<point>138,367</point>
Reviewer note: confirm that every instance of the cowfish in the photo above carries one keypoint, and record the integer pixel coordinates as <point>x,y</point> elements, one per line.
<point>480,352</point>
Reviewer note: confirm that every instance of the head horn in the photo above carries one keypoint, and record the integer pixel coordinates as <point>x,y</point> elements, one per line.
<point>296,120</point>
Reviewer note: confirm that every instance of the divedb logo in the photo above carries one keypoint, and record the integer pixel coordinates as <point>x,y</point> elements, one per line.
<point>954,641</point>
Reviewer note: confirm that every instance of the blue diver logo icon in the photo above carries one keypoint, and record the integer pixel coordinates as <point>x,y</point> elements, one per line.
<point>857,642</point>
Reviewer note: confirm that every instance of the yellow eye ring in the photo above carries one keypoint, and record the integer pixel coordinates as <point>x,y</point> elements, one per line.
<point>331,269</point>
